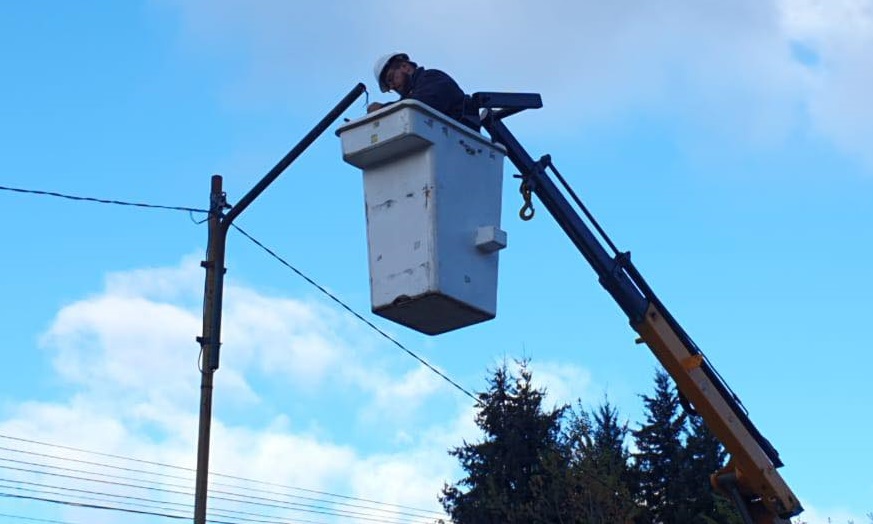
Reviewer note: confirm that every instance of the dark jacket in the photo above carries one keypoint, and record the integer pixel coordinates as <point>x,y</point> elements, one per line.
<point>439,91</point>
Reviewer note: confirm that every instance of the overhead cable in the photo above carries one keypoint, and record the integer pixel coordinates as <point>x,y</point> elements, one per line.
<point>102,200</point>
<point>392,509</point>
<point>215,495</point>
<point>274,255</point>
<point>34,519</point>
<point>191,470</point>
<point>96,506</point>
<point>356,314</point>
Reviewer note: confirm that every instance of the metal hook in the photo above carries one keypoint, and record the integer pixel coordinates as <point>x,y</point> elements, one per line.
<point>527,210</point>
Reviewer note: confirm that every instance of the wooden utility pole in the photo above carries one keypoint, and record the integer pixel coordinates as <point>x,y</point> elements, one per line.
<point>210,341</point>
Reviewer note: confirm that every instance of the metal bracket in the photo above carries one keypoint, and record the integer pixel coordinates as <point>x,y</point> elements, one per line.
<point>490,239</point>
<point>693,362</point>
<point>503,105</point>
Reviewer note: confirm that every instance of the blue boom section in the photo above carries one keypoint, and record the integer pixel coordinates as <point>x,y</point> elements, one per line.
<point>615,272</point>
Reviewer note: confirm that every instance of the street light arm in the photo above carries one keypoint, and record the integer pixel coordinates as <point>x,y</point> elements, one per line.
<point>292,155</point>
<point>214,290</point>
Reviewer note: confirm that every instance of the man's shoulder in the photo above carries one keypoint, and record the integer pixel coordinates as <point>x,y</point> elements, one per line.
<point>432,74</point>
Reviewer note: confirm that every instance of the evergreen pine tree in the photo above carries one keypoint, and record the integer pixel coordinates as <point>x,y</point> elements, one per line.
<point>704,455</point>
<point>602,480</point>
<point>659,460</point>
<point>515,474</point>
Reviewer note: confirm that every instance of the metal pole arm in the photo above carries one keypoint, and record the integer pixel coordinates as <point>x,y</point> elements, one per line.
<point>292,155</point>
<point>227,219</point>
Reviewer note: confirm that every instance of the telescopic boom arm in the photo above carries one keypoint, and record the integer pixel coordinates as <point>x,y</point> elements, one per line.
<point>750,478</point>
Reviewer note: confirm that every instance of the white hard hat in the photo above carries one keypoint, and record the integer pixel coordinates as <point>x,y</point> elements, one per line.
<point>381,64</point>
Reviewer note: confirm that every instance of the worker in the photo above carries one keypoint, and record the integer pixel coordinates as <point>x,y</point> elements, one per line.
<point>396,72</point>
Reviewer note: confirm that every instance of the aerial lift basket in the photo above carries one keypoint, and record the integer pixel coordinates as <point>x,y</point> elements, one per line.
<point>432,191</point>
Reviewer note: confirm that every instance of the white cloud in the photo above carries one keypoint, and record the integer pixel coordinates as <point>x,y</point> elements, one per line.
<point>112,342</point>
<point>128,360</point>
<point>840,34</point>
<point>721,70</point>
<point>597,60</point>
<point>397,399</point>
<point>405,479</point>
<point>282,336</point>
<point>278,455</point>
<point>136,340</point>
<point>122,348</point>
<point>162,283</point>
<point>416,475</point>
<point>564,383</point>
<point>837,24</point>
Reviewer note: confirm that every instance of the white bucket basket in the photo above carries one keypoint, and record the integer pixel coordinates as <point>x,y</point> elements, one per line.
<point>432,189</point>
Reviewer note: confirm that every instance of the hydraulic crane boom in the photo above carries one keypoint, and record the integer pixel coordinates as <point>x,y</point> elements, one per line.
<point>750,477</point>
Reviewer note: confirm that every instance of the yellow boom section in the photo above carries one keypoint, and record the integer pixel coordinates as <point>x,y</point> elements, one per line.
<point>766,496</point>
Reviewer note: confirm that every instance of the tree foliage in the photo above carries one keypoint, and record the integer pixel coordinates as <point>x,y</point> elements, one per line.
<point>707,455</point>
<point>659,460</point>
<point>513,474</point>
<point>566,466</point>
<point>677,454</point>
<point>600,471</point>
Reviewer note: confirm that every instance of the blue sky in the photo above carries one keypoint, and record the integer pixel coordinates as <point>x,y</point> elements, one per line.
<point>727,145</point>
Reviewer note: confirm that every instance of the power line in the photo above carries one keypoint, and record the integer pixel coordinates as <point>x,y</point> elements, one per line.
<point>152,504</point>
<point>239,498</point>
<point>155,504</point>
<point>98,453</point>
<point>355,313</point>
<point>84,494</point>
<point>73,470</point>
<point>245,498</point>
<point>395,510</point>
<point>94,506</point>
<point>219,512</point>
<point>97,481</point>
<point>90,463</point>
<point>427,513</point>
<point>307,508</point>
<point>271,253</point>
<point>102,200</point>
<point>33,519</point>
